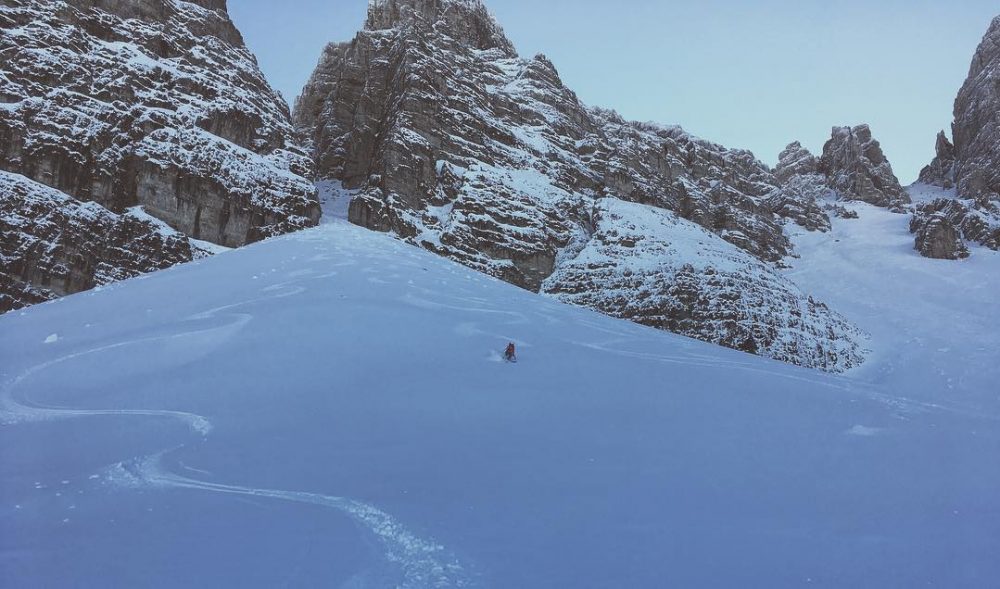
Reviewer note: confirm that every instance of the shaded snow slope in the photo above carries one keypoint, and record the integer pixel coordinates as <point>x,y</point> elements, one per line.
<point>933,322</point>
<point>329,409</point>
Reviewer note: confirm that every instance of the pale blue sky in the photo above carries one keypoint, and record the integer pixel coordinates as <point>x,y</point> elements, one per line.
<point>745,74</point>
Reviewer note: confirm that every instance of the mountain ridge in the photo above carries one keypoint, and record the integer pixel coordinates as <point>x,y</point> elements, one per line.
<point>466,149</point>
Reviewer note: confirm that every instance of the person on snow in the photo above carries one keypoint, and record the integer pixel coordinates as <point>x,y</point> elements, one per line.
<point>510,354</point>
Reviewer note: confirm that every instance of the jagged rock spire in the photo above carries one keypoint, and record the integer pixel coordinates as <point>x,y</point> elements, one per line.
<point>941,171</point>
<point>795,160</point>
<point>856,168</point>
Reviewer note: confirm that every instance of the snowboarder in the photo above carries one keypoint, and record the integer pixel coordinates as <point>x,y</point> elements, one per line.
<point>510,354</point>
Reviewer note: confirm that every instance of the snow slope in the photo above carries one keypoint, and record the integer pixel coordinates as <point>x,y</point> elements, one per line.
<point>934,323</point>
<point>329,409</point>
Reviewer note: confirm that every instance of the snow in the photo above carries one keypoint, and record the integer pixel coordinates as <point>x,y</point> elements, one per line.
<point>334,200</point>
<point>933,322</point>
<point>921,193</point>
<point>325,409</point>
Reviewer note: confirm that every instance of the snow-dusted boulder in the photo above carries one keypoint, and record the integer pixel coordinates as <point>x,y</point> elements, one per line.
<point>856,168</point>
<point>649,266</point>
<point>456,144</point>
<point>937,237</point>
<point>978,220</point>
<point>53,245</point>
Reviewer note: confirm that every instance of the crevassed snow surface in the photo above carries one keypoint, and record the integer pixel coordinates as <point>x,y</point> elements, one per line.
<point>330,409</point>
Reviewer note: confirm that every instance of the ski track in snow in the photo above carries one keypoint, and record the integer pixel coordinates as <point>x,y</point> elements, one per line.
<point>419,562</point>
<point>414,561</point>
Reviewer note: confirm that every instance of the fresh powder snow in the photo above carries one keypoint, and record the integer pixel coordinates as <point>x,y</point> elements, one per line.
<point>329,408</point>
<point>934,323</point>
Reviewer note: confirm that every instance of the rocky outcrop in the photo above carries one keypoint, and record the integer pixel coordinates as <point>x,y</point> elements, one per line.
<point>649,266</point>
<point>976,129</point>
<point>798,200</point>
<point>795,160</point>
<point>937,237</point>
<point>856,168</point>
<point>978,220</point>
<point>453,142</point>
<point>155,103</point>
<point>941,171</point>
<point>802,195</point>
<point>53,245</point>
<point>972,165</point>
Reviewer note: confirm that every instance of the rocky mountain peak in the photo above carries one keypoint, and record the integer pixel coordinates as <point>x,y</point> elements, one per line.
<point>795,160</point>
<point>802,195</point>
<point>857,169</point>
<point>466,21</point>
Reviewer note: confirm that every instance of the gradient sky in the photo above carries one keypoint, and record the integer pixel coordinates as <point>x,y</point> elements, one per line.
<point>746,74</point>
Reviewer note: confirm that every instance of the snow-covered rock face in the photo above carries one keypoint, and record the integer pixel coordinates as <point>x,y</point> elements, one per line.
<point>155,103</point>
<point>852,168</point>
<point>978,220</point>
<point>467,21</point>
<point>798,200</point>
<point>801,189</point>
<point>856,168</point>
<point>456,144</point>
<point>976,128</point>
<point>972,164</point>
<point>52,245</point>
<point>937,237</point>
<point>647,265</point>
<point>941,171</point>
<point>795,160</point>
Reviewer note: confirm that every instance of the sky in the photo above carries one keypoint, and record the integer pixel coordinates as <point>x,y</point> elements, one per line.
<point>753,75</point>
